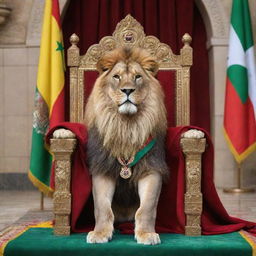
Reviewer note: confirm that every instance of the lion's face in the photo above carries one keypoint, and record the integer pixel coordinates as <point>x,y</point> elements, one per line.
<point>127,87</point>
<point>127,76</point>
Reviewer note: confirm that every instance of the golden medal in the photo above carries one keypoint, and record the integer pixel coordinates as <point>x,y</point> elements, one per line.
<point>126,171</point>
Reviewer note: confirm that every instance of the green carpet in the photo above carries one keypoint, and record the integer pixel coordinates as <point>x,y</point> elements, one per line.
<point>42,242</point>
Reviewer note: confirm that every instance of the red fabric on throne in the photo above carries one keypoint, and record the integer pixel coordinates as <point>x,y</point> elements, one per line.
<point>170,213</point>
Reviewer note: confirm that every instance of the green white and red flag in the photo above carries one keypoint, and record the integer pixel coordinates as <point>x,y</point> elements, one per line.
<point>240,101</point>
<point>49,96</point>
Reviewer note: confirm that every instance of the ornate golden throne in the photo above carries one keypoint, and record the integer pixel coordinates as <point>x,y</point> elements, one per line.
<point>131,34</point>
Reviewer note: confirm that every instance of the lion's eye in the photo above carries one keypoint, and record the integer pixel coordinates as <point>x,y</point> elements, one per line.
<point>138,77</point>
<point>117,77</point>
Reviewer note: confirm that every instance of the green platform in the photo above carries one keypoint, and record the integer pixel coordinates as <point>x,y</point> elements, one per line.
<point>42,242</point>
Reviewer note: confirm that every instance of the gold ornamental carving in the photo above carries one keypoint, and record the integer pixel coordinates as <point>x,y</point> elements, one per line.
<point>193,149</point>
<point>62,150</point>
<point>130,33</point>
<point>62,172</point>
<point>73,83</point>
<point>193,226</point>
<point>73,52</point>
<point>193,145</point>
<point>61,229</point>
<point>63,147</point>
<point>62,203</point>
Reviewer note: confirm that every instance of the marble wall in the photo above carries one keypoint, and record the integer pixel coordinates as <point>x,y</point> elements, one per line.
<point>18,70</point>
<point>19,51</point>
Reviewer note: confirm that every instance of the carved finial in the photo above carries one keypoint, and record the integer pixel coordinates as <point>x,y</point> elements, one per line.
<point>74,39</point>
<point>186,39</point>
<point>73,52</point>
<point>128,16</point>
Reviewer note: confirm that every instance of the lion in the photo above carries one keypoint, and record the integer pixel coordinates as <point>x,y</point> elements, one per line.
<point>124,111</point>
<point>124,114</point>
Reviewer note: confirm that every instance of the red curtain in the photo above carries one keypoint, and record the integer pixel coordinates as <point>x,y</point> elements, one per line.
<point>168,20</point>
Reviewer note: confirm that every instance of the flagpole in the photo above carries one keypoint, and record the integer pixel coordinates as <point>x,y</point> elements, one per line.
<point>42,201</point>
<point>239,188</point>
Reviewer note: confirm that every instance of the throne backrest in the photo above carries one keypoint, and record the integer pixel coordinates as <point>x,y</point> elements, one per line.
<point>129,33</point>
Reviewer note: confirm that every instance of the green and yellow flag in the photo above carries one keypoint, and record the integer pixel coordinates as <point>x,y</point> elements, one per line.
<point>49,96</point>
<point>240,101</point>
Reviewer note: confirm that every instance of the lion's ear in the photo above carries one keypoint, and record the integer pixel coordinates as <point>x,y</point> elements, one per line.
<point>150,65</point>
<point>108,61</point>
<point>104,64</point>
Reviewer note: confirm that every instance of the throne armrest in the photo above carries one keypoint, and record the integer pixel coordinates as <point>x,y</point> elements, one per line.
<point>62,146</point>
<point>193,145</point>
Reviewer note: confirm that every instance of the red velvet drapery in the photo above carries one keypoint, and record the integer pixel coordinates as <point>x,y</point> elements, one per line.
<point>168,20</point>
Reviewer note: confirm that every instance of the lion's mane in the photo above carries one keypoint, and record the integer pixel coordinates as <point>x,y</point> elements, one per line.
<point>124,135</point>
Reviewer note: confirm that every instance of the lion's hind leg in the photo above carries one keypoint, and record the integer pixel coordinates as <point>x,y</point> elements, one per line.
<point>149,188</point>
<point>103,191</point>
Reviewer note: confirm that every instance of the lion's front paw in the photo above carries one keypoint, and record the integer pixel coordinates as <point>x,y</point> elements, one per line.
<point>63,134</point>
<point>193,134</point>
<point>147,238</point>
<point>98,237</point>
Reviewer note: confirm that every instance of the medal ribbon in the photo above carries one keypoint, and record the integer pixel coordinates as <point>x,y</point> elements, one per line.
<point>140,154</point>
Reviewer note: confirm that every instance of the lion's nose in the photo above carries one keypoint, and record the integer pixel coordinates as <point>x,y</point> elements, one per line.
<point>127,91</point>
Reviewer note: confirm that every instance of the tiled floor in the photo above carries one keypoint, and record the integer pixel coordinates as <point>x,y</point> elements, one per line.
<point>14,204</point>
<point>240,205</point>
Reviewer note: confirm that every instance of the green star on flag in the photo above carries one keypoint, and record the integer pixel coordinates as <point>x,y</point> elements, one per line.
<point>61,49</point>
<point>60,46</point>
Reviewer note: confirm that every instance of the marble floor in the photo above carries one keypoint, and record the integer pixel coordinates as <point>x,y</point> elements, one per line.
<point>240,205</point>
<point>15,204</point>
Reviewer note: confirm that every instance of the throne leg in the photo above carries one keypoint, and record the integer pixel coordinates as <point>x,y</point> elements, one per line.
<point>193,149</point>
<point>62,150</point>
